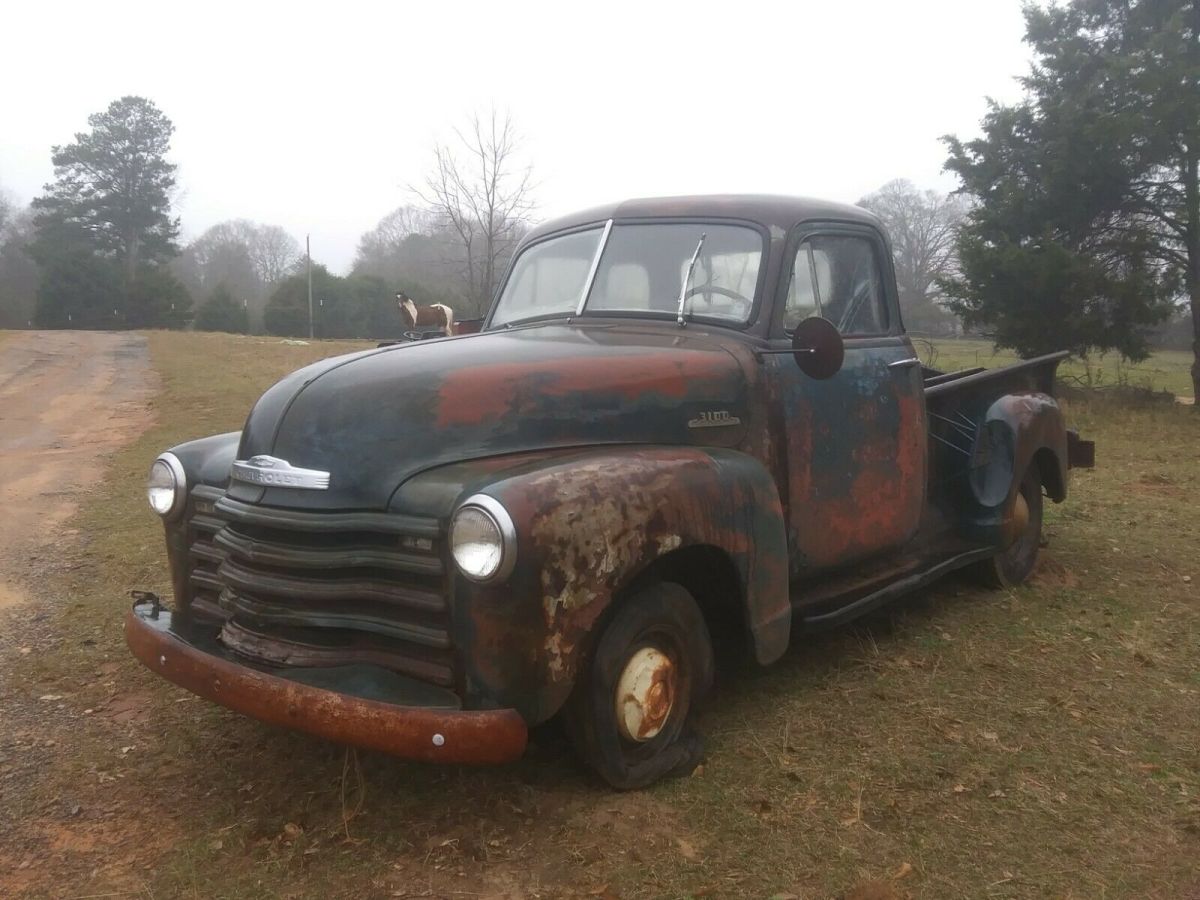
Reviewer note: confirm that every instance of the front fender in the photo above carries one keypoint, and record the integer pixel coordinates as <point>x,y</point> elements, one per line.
<point>208,460</point>
<point>589,524</point>
<point>205,461</point>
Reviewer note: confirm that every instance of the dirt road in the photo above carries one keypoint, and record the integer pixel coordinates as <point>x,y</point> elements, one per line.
<point>67,398</point>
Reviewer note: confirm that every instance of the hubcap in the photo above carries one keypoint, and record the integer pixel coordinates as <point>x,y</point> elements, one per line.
<point>645,694</point>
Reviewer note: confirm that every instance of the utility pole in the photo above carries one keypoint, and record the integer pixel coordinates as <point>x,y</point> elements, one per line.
<point>308,265</point>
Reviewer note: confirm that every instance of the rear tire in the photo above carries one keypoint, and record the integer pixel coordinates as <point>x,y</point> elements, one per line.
<point>1014,564</point>
<point>631,715</point>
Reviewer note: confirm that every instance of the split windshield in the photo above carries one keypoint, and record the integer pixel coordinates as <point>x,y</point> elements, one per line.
<point>641,270</point>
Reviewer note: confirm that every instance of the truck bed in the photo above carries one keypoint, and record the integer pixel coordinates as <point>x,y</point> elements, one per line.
<point>1039,370</point>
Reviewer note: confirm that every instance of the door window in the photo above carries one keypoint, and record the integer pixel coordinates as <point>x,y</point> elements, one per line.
<point>837,277</point>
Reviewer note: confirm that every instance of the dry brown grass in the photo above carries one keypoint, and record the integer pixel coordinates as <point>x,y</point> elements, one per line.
<point>1043,742</point>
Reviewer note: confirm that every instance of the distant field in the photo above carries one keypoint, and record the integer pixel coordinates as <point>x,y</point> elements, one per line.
<point>1168,370</point>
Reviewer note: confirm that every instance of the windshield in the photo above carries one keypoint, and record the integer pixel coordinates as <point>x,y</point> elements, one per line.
<point>548,278</point>
<point>642,270</point>
<point>644,266</point>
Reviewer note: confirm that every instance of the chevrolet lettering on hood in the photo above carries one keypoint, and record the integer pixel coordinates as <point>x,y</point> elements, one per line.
<point>269,471</point>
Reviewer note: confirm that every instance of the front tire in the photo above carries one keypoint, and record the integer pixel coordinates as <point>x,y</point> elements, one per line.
<point>631,715</point>
<point>1014,564</point>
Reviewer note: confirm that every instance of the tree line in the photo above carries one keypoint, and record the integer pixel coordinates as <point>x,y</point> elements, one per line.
<point>100,247</point>
<point>1076,224</point>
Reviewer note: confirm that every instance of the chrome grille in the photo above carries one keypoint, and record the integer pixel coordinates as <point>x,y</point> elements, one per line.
<point>204,556</point>
<point>318,589</point>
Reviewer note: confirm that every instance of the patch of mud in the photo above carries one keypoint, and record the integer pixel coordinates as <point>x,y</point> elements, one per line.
<point>67,400</point>
<point>10,596</point>
<point>1052,574</point>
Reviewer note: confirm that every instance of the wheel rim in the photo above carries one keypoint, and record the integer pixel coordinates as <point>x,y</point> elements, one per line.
<point>645,695</point>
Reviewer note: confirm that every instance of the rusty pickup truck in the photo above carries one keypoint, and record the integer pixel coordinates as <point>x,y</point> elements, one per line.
<point>684,419</point>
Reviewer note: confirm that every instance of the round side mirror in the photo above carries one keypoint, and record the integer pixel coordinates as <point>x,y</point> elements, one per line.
<point>817,348</point>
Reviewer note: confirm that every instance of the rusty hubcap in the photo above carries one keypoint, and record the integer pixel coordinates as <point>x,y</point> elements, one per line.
<point>645,694</point>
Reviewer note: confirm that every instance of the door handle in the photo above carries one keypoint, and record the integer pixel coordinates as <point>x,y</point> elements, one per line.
<point>904,363</point>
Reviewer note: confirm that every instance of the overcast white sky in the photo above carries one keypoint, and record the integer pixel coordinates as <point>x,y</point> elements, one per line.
<point>317,117</point>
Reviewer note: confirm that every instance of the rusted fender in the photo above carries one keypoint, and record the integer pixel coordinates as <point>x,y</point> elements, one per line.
<point>1038,429</point>
<point>423,733</point>
<point>588,525</point>
<point>1018,430</point>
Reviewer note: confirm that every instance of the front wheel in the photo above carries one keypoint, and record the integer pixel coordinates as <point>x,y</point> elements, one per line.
<point>1023,527</point>
<point>630,717</point>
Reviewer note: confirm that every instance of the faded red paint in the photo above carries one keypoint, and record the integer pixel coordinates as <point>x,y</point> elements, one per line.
<point>883,506</point>
<point>481,393</point>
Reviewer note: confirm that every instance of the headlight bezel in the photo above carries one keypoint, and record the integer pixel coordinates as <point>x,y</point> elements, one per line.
<point>179,497</point>
<point>494,510</point>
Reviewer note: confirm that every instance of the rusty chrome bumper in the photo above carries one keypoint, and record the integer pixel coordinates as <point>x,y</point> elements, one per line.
<point>427,733</point>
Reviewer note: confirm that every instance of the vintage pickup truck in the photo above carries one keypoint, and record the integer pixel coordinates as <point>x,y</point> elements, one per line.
<point>684,419</point>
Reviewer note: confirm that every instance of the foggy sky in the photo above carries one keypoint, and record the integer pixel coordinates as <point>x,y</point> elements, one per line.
<point>318,117</point>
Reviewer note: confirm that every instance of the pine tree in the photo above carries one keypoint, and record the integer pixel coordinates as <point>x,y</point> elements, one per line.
<point>109,210</point>
<point>1088,217</point>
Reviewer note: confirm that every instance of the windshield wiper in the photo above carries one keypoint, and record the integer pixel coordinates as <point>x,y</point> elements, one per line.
<point>687,279</point>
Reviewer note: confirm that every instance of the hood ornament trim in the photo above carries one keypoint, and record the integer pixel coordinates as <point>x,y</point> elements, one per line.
<point>269,471</point>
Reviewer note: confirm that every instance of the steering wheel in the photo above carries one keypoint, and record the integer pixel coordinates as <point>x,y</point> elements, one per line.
<point>850,313</point>
<point>742,299</point>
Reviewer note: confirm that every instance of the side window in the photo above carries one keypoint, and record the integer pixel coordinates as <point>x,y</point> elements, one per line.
<point>837,277</point>
<point>810,280</point>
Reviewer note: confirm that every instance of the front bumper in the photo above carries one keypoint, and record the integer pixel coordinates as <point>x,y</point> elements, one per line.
<point>429,729</point>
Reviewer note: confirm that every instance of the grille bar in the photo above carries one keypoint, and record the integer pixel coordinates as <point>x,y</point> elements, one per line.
<point>332,590</point>
<point>276,553</point>
<point>352,616</point>
<point>299,520</point>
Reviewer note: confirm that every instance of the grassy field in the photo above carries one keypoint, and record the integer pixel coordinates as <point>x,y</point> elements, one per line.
<point>1165,370</point>
<point>1041,742</point>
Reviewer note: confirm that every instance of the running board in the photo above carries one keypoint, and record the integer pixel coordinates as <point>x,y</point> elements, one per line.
<point>893,591</point>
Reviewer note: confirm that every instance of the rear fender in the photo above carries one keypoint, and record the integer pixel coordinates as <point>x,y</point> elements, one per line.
<point>1018,431</point>
<point>589,525</point>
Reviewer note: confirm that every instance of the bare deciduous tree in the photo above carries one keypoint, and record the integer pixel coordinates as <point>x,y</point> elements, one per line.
<point>412,250</point>
<point>923,226</point>
<point>480,191</point>
<point>274,253</point>
<point>248,259</point>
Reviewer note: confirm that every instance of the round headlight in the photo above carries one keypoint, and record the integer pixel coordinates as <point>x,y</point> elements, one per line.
<point>166,485</point>
<point>483,539</point>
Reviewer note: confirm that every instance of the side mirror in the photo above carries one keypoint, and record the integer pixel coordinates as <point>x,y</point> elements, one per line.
<point>817,348</point>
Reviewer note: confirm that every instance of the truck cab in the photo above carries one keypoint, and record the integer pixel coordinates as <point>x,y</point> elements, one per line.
<point>681,417</point>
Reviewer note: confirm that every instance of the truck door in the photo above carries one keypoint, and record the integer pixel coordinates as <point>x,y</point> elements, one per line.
<point>853,450</point>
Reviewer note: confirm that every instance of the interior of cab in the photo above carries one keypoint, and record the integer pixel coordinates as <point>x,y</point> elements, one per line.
<point>837,277</point>
<point>644,268</point>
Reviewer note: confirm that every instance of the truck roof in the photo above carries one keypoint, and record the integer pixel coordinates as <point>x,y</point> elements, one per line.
<point>770,210</point>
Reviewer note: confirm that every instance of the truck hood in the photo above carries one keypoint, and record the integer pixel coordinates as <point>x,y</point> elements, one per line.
<point>374,419</point>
